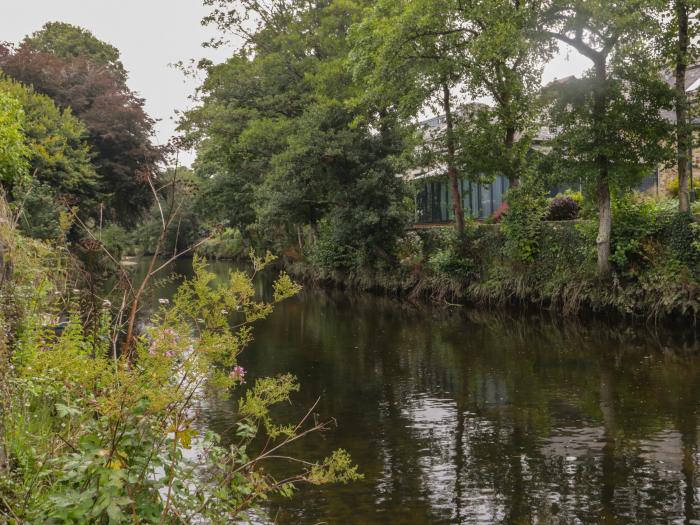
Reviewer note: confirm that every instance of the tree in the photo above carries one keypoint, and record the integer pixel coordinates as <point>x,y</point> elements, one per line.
<point>279,131</point>
<point>610,127</point>
<point>56,147</point>
<point>408,53</point>
<point>504,58</point>
<point>418,53</point>
<point>677,42</point>
<point>68,42</point>
<point>119,130</point>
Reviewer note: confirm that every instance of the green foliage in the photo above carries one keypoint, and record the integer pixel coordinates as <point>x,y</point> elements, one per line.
<point>179,195</point>
<point>283,146</point>
<point>636,222</point>
<point>39,211</point>
<point>522,223</point>
<point>329,252</point>
<point>410,250</point>
<point>672,187</point>
<point>92,87</point>
<point>636,136</point>
<point>419,53</point>
<point>68,41</point>
<point>94,436</point>
<point>55,144</point>
<point>229,244</point>
<point>683,234</point>
<point>117,241</point>
<point>13,149</point>
<point>452,258</point>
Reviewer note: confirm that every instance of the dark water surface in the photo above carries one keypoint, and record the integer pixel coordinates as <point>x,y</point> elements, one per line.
<point>468,416</point>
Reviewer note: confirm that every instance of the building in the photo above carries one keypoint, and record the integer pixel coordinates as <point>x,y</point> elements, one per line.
<point>433,194</point>
<point>692,88</point>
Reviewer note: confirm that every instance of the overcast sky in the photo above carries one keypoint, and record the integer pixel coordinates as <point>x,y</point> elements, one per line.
<point>151,34</point>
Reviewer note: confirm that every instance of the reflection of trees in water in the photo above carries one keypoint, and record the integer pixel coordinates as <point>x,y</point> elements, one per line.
<point>459,417</point>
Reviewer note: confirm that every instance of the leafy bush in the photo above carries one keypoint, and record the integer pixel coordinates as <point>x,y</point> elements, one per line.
<point>330,253</point>
<point>409,250</point>
<point>117,241</point>
<point>636,220</point>
<point>682,233</point>
<point>563,208</point>
<point>39,212</point>
<point>453,259</point>
<point>522,225</point>
<point>94,436</point>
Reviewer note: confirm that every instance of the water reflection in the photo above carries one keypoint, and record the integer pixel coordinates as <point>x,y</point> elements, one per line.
<point>476,417</point>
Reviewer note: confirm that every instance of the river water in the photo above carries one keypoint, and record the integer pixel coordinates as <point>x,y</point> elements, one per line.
<point>472,416</point>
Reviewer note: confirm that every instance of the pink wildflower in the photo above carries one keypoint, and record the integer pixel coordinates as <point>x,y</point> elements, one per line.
<point>238,374</point>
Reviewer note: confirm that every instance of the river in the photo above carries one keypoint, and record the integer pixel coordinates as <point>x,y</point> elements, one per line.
<point>470,416</point>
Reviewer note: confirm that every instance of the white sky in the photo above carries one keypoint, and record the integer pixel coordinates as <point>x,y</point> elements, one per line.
<point>151,34</point>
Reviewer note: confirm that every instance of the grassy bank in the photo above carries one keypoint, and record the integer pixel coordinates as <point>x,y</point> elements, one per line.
<point>549,264</point>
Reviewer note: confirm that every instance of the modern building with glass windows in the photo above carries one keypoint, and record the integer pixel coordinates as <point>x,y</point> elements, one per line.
<point>479,201</point>
<point>433,197</point>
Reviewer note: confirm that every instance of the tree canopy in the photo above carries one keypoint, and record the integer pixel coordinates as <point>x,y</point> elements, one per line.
<point>55,142</point>
<point>280,138</point>
<point>68,41</point>
<point>119,130</point>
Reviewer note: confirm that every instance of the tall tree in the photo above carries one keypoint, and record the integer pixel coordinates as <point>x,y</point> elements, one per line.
<point>119,130</point>
<point>683,132</point>
<point>68,41</point>
<point>611,119</point>
<point>57,173</point>
<point>408,53</point>
<point>678,44</point>
<point>56,147</point>
<point>504,58</point>
<point>279,131</point>
<point>418,53</point>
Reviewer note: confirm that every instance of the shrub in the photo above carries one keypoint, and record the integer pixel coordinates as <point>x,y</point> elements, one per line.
<point>682,234</point>
<point>636,221</point>
<point>409,250</point>
<point>522,223</point>
<point>227,245</point>
<point>92,436</point>
<point>563,208</point>
<point>40,213</point>
<point>117,241</point>
<point>452,258</point>
<point>330,253</point>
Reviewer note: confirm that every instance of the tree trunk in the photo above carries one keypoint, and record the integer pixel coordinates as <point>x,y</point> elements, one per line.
<point>452,174</point>
<point>682,128</point>
<point>602,180</point>
<point>604,218</point>
<point>513,179</point>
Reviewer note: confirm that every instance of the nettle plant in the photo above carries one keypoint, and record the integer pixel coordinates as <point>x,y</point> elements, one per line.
<point>96,437</point>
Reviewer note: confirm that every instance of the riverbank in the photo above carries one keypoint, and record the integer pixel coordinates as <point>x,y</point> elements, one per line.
<point>655,276</point>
